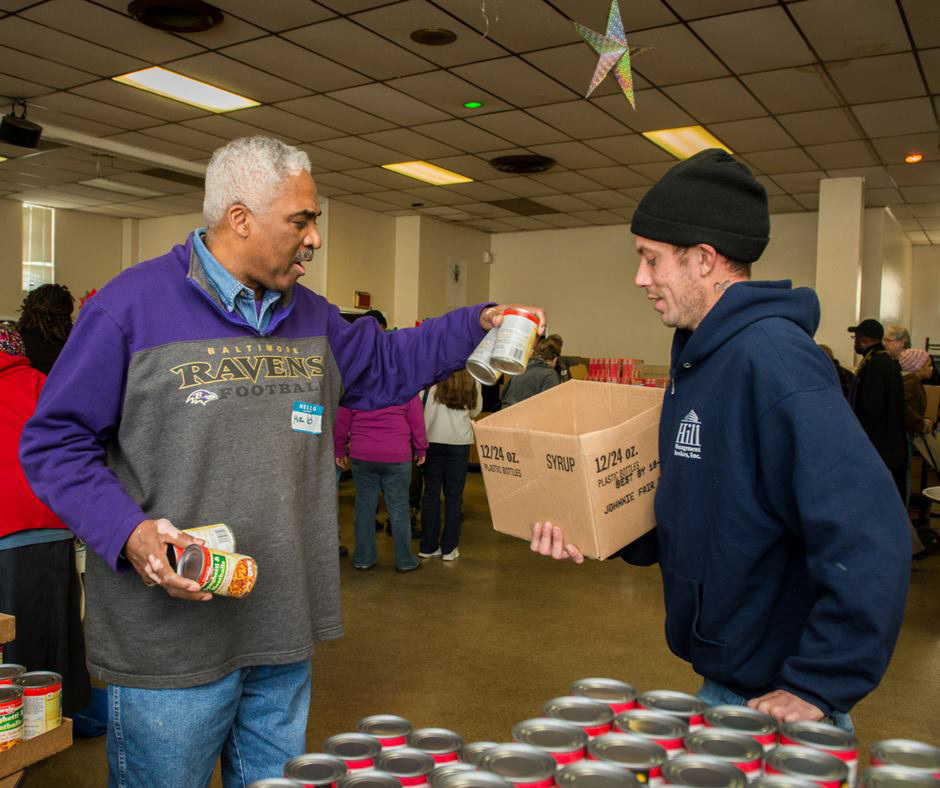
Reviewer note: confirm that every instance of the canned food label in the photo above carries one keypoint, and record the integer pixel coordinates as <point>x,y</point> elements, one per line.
<point>217,537</point>
<point>230,574</point>
<point>11,723</point>
<point>307,417</point>
<point>515,340</point>
<point>413,780</point>
<point>42,710</point>
<point>878,762</point>
<point>768,769</point>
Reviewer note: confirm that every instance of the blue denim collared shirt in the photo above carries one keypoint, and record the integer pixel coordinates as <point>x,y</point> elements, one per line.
<point>233,293</point>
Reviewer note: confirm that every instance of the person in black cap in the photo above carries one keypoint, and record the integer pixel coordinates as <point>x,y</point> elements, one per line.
<point>877,397</point>
<point>784,551</point>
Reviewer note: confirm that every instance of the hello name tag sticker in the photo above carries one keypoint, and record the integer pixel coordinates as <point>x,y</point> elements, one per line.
<point>307,417</point>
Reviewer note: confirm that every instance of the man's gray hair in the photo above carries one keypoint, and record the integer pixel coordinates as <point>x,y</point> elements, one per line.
<point>896,331</point>
<point>247,171</point>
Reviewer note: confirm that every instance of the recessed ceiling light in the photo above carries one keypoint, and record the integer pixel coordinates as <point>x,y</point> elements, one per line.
<point>176,16</point>
<point>685,141</point>
<point>522,163</point>
<point>429,173</point>
<point>473,104</point>
<point>119,186</point>
<point>913,158</point>
<point>433,36</point>
<point>189,91</point>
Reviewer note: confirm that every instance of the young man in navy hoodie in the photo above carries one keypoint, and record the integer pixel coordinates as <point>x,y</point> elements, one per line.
<point>784,550</point>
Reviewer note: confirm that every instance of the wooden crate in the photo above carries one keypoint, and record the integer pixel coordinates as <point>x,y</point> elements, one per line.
<point>36,749</point>
<point>7,628</point>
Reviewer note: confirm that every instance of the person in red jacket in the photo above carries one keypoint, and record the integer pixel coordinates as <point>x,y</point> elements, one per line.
<point>38,579</point>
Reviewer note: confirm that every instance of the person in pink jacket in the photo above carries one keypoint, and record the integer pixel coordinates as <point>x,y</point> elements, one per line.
<point>382,444</point>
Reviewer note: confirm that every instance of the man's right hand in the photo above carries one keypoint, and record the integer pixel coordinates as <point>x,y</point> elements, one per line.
<point>549,540</point>
<point>146,550</point>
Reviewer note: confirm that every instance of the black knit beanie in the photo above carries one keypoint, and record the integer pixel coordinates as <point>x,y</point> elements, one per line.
<point>710,198</point>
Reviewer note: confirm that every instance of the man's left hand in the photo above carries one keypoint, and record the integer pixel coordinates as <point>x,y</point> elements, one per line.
<point>785,707</point>
<point>492,316</point>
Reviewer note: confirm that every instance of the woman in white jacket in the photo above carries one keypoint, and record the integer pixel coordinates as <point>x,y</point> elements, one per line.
<point>448,411</point>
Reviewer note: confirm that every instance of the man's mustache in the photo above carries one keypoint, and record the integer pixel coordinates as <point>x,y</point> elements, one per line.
<point>303,257</point>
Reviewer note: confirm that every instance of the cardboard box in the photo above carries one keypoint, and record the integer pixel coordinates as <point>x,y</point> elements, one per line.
<point>583,455</point>
<point>32,750</point>
<point>933,402</point>
<point>7,628</point>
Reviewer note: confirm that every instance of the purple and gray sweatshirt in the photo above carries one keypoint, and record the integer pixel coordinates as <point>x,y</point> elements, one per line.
<point>163,404</point>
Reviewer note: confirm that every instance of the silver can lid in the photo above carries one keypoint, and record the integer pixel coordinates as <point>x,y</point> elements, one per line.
<point>819,734</point>
<point>353,746</point>
<point>274,782</point>
<point>369,778</point>
<point>473,779</point>
<point>8,692</point>
<point>472,752</point>
<point>606,690</point>
<point>9,670</point>
<point>435,740</point>
<point>518,763</point>
<point>385,726</point>
<point>594,774</point>
<point>702,771</point>
<point>741,719</point>
<point>482,371</point>
<point>652,724</point>
<point>679,704</point>
<point>191,562</point>
<point>724,744</point>
<point>806,762</point>
<point>404,762</point>
<point>782,781</point>
<point>897,777</point>
<point>628,750</point>
<point>441,771</point>
<point>549,733</point>
<point>315,768</point>
<point>907,752</point>
<point>577,709</point>
<point>37,679</point>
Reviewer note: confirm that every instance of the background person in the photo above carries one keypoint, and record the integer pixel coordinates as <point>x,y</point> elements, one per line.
<point>897,339</point>
<point>539,375</point>
<point>45,323</point>
<point>561,365</point>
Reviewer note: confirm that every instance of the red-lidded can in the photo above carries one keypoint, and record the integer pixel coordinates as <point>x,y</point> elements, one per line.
<point>679,704</point>
<point>825,737</point>
<point>759,726</point>
<point>315,769</point>
<point>389,729</point>
<point>10,671</point>
<point>594,774</point>
<point>472,752</point>
<point>564,741</point>
<point>781,781</point>
<point>521,764</point>
<point>221,573</point>
<point>897,777</point>
<point>42,701</point>
<point>406,764</point>
<point>702,771</point>
<point>472,779</point>
<point>738,749</point>
<point>515,341</point>
<point>809,763</point>
<point>444,770</point>
<point>593,716</point>
<point>664,729</point>
<point>11,717</point>
<point>441,744</point>
<point>356,750</point>
<point>369,778</point>
<point>619,695</point>
<point>907,752</point>
<point>641,756</point>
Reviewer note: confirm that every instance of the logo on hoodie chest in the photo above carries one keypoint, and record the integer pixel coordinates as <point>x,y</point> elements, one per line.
<point>689,438</point>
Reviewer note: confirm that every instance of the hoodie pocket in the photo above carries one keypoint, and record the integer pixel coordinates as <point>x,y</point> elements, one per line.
<point>683,598</point>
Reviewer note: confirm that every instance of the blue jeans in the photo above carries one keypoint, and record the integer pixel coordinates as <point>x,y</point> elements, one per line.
<point>393,479</point>
<point>715,694</point>
<point>446,466</point>
<point>255,718</point>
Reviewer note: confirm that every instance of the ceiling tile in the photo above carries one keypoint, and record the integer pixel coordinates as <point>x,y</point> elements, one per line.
<point>228,128</point>
<point>927,210</point>
<point>875,177</point>
<point>521,25</point>
<point>606,198</point>
<point>150,182</point>
<point>526,223</point>
<point>756,40</point>
<point>515,81</point>
<point>842,29</point>
<point>579,119</point>
<point>411,143</point>
<point>630,149</point>
<point>893,149</point>
<point>875,197</point>
<point>347,183</point>
<point>72,122</point>
<point>820,126</point>
<point>615,177</point>
<point>352,6</point>
<point>918,238</point>
<point>930,60</point>
<point>363,150</point>
<point>769,186</point>
<point>398,198</point>
<point>448,92</point>
<point>277,120</point>
<point>923,17</point>
<point>661,66</point>
<point>783,203</point>
<point>799,182</point>
<point>891,118</point>
<point>839,155</point>
<point>781,161</point>
<point>193,138</point>
<point>914,194</point>
<point>368,202</point>
<point>21,88</point>
<point>572,155</point>
<point>716,100</point>
<point>387,103</point>
<point>793,89</point>
<point>382,177</point>
<point>743,136</point>
<point>566,182</point>
<point>479,192</point>
<point>564,220</point>
<point>462,135</point>
<point>519,128</point>
<point>695,9</point>
<point>927,173</point>
<point>233,31</point>
<point>306,68</point>
<point>809,201</point>
<point>638,15</point>
<point>374,56</point>
<point>474,167</point>
<point>282,15</point>
<point>929,224</point>
<point>902,211</point>
<point>165,109</point>
<point>330,160</point>
<point>654,170</point>
<point>485,209</point>
<point>434,194</point>
<point>573,65</point>
<point>878,78</point>
<point>654,110</point>
<point>335,114</point>
<point>223,72</point>
<point>84,107</point>
<point>565,203</point>
<point>600,217</point>
<point>521,186</point>
<point>139,140</point>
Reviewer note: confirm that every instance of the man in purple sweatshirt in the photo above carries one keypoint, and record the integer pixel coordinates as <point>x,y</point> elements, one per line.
<point>202,387</point>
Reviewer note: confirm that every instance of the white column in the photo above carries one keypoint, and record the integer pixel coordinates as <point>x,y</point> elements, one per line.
<point>407,270</point>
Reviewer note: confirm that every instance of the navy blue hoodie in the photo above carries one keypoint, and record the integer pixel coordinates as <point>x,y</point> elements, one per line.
<point>783,544</point>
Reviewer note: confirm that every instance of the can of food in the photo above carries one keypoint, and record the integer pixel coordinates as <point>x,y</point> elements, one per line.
<point>389,729</point>
<point>738,749</point>
<point>444,770</point>
<point>223,574</point>
<point>822,736</point>
<point>216,537</point>
<point>594,774</point>
<point>664,729</point>
<point>897,777</point>
<point>10,671</point>
<point>42,701</point>
<point>515,341</point>
<point>472,779</point>
<point>472,752</point>
<point>11,717</point>
<point>759,726</point>
<point>274,782</point>
<point>907,752</point>
<point>315,769</point>
<point>564,741</point>
<point>781,781</point>
<point>356,750</point>
<point>619,695</point>
<point>369,778</point>
<point>702,771</point>
<point>593,716</point>
<point>679,704</point>
<point>641,756</point>
<point>809,763</point>
<point>478,364</point>
<point>406,764</point>
<point>441,744</point>
<point>523,765</point>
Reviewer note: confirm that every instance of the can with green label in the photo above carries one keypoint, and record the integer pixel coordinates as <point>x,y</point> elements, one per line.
<point>219,572</point>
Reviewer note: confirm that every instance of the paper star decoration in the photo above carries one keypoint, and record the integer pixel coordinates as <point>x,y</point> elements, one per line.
<point>614,53</point>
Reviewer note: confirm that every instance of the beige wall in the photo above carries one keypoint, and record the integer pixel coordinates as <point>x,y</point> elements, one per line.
<point>925,292</point>
<point>11,258</point>
<point>791,253</point>
<point>158,236</point>
<point>442,247</point>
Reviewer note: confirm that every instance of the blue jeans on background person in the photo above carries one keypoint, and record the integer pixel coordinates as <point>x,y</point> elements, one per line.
<point>715,694</point>
<point>393,479</point>
<point>255,718</point>
<point>446,465</point>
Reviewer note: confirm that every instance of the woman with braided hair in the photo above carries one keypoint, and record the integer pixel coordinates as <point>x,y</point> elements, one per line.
<point>45,323</point>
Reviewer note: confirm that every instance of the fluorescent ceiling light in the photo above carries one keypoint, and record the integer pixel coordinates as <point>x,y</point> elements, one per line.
<point>190,91</point>
<point>685,141</point>
<point>3,158</point>
<point>123,188</point>
<point>429,173</point>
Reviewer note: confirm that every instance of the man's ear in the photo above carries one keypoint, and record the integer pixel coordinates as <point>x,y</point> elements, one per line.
<point>238,218</point>
<point>706,258</point>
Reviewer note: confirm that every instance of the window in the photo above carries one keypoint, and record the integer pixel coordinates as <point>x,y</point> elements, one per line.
<point>38,246</point>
